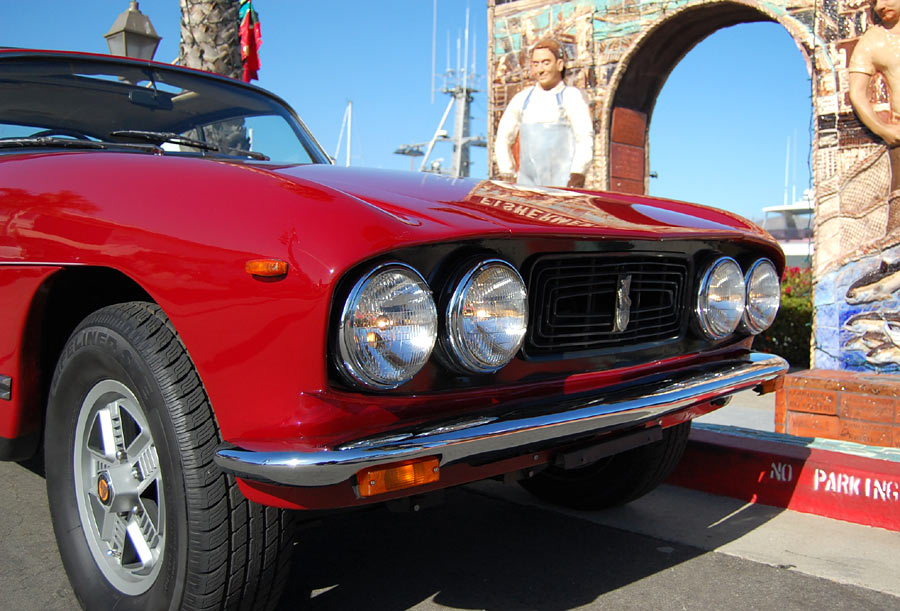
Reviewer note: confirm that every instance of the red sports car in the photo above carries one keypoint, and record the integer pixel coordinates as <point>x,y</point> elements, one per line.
<point>210,330</point>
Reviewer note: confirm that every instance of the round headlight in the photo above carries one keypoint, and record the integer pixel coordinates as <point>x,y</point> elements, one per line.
<point>720,304</point>
<point>486,317</point>
<point>763,296</point>
<point>388,327</point>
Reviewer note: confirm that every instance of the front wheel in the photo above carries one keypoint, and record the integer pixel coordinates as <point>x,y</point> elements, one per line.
<point>143,517</point>
<point>615,480</point>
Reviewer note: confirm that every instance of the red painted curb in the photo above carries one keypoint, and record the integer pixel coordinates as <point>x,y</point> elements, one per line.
<point>778,470</point>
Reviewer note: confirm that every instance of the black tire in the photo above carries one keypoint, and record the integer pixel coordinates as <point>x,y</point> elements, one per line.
<point>171,531</point>
<point>615,480</point>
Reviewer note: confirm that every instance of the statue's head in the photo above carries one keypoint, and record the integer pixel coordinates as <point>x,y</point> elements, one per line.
<point>885,12</point>
<point>548,63</point>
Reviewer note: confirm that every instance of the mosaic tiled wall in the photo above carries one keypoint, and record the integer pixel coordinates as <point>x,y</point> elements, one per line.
<point>617,48</point>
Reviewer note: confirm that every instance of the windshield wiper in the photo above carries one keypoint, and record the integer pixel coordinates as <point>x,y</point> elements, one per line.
<point>52,142</point>
<point>250,154</point>
<point>70,143</point>
<point>160,137</point>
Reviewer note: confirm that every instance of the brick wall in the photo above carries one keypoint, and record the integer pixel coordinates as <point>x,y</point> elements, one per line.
<point>840,405</point>
<point>628,151</point>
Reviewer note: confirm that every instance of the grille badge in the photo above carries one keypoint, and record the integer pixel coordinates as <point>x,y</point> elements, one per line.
<point>623,304</point>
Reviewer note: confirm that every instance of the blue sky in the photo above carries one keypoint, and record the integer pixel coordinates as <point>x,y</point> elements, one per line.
<point>721,125</point>
<point>718,134</point>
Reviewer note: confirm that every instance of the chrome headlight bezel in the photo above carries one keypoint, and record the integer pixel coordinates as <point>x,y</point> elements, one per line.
<point>349,359</point>
<point>454,338</point>
<point>712,325</point>
<point>752,323</point>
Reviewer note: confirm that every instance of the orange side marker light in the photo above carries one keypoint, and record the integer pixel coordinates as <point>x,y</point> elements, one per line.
<point>268,268</point>
<point>398,476</point>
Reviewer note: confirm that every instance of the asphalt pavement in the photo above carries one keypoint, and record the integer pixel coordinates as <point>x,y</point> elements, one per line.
<point>492,546</point>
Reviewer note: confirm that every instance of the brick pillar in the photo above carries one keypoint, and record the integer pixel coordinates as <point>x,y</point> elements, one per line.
<point>628,151</point>
<point>864,408</point>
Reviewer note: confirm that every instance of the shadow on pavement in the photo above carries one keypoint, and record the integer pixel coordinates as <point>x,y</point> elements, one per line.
<point>35,464</point>
<point>485,549</point>
<point>473,552</point>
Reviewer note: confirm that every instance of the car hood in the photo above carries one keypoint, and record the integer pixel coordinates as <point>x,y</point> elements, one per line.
<point>508,208</point>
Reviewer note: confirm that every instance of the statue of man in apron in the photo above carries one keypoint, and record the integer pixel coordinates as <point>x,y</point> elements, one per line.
<point>553,122</point>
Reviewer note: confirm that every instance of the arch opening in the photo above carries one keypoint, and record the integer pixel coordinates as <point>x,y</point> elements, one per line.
<point>642,75</point>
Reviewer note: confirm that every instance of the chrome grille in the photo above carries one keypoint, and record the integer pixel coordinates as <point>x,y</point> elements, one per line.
<point>573,301</point>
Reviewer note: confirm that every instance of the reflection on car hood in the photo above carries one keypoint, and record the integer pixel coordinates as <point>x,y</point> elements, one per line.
<point>508,207</point>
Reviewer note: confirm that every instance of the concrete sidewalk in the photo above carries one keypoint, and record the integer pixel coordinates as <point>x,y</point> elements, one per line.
<point>747,410</point>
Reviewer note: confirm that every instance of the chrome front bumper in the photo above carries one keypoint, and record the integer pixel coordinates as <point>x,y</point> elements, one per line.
<point>525,425</point>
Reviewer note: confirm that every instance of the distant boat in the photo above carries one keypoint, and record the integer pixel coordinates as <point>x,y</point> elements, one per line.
<point>792,226</point>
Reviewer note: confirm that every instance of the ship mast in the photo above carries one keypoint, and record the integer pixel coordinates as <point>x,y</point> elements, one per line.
<point>458,84</point>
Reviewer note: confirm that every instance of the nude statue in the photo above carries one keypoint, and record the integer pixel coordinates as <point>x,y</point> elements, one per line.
<point>878,50</point>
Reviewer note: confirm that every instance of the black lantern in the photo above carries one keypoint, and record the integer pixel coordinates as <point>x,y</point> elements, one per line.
<point>132,35</point>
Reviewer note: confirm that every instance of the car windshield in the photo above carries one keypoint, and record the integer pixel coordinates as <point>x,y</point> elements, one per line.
<point>83,103</point>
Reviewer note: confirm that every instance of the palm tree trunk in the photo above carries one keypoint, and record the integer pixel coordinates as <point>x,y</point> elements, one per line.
<point>209,36</point>
<point>210,41</point>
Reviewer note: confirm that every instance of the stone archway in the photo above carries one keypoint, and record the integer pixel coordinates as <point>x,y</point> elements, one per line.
<point>621,54</point>
<point>641,74</point>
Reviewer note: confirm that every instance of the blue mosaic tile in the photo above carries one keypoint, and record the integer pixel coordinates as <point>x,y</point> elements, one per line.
<point>826,361</point>
<point>824,291</point>
<point>827,338</point>
<point>827,315</point>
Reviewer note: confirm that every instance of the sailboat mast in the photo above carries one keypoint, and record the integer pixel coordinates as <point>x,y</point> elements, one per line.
<point>349,129</point>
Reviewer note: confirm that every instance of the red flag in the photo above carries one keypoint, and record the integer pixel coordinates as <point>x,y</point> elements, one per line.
<point>251,40</point>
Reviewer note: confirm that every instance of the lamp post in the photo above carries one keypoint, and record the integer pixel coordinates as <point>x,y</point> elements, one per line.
<point>132,34</point>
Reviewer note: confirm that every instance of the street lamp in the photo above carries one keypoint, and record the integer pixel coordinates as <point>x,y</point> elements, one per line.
<point>132,34</point>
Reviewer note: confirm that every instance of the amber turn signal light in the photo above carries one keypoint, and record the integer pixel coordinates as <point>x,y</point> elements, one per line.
<point>397,476</point>
<point>266,267</point>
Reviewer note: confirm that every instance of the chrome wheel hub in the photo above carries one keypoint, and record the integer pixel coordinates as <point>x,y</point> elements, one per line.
<point>119,487</point>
